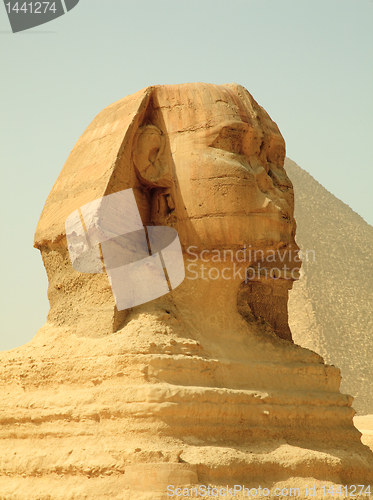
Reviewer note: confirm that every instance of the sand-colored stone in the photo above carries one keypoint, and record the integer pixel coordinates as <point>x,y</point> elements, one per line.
<point>203,385</point>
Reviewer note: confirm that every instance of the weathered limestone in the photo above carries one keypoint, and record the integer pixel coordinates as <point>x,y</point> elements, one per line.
<point>203,385</point>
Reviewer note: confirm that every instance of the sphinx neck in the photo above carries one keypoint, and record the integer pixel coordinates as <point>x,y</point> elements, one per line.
<point>208,295</point>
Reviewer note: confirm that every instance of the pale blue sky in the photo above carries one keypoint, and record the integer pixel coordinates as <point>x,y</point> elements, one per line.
<point>307,62</point>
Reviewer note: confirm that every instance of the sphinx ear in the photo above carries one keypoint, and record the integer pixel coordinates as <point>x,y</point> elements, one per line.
<point>148,156</point>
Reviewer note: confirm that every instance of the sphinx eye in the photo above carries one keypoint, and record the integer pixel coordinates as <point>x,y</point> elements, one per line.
<point>229,139</point>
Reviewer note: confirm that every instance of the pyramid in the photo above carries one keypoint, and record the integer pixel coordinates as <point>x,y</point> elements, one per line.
<point>331,307</point>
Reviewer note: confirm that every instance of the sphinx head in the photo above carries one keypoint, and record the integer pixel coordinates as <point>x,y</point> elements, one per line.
<point>204,159</point>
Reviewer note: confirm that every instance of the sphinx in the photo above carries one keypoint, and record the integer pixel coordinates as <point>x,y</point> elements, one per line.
<point>202,385</point>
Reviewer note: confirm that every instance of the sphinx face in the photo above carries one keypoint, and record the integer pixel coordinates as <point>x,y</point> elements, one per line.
<point>228,157</point>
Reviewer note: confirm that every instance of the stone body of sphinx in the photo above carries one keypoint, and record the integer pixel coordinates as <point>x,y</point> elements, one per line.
<point>202,385</point>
